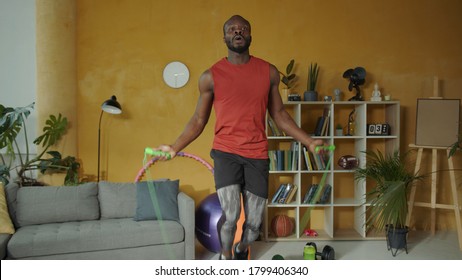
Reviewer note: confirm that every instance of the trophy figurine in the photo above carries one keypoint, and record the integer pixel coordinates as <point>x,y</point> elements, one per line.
<point>351,123</point>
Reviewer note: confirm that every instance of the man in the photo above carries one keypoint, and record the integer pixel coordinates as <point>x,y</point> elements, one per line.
<point>241,88</point>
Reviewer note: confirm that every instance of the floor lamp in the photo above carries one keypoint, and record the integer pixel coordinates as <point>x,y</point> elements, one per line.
<point>110,106</point>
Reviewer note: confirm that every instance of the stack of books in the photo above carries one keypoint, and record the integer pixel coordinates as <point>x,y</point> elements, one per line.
<point>285,194</point>
<point>284,160</point>
<point>314,161</point>
<point>317,195</point>
<point>322,125</point>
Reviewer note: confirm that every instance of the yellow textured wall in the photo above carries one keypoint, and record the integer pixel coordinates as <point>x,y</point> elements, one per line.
<point>56,72</point>
<point>122,47</point>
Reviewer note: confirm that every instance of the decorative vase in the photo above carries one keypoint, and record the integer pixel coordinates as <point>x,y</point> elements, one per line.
<point>310,95</point>
<point>339,132</point>
<point>337,95</point>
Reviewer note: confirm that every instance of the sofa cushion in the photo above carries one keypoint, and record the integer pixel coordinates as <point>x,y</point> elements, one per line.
<point>6,225</point>
<point>117,200</point>
<point>41,205</point>
<point>157,200</point>
<point>88,236</point>
<point>11,191</point>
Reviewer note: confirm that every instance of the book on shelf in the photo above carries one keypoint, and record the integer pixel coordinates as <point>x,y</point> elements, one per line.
<point>284,160</point>
<point>325,195</point>
<point>291,195</point>
<point>308,161</point>
<point>304,151</point>
<point>318,128</point>
<point>320,161</point>
<point>284,194</point>
<point>317,194</point>
<point>294,156</point>
<point>278,193</point>
<point>314,161</point>
<point>282,198</point>
<point>322,124</point>
<point>325,124</point>
<point>317,161</point>
<point>272,160</point>
<point>275,131</point>
<point>280,160</point>
<point>309,195</point>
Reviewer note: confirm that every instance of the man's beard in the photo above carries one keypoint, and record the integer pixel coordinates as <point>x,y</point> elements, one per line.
<point>239,49</point>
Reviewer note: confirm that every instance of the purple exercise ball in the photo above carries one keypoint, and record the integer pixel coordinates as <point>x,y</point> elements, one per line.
<point>208,221</point>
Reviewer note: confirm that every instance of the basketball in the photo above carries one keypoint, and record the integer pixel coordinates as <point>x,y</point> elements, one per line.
<point>282,225</point>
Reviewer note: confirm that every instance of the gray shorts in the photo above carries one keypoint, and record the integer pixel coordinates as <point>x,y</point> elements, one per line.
<point>251,174</point>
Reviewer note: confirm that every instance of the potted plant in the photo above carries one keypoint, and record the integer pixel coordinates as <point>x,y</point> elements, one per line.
<point>288,79</point>
<point>387,201</point>
<point>12,124</point>
<point>311,94</point>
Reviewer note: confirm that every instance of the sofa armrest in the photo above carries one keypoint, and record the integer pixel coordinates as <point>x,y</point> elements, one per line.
<point>186,210</point>
<point>4,238</point>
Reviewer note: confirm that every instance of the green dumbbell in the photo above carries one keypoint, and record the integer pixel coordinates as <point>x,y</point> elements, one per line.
<point>328,253</point>
<point>309,252</point>
<point>278,257</point>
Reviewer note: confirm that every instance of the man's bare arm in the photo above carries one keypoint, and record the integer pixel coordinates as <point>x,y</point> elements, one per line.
<point>199,119</point>
<point>283,120</point>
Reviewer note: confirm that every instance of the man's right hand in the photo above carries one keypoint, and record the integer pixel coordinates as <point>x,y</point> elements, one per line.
<point>167,149</point>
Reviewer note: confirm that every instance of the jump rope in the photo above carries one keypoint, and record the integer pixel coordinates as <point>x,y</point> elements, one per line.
<point>156,155</point>
<point>152,192</point>
<point>306,217</point>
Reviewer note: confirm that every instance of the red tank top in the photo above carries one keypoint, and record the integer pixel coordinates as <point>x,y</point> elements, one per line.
<point>240,102</point>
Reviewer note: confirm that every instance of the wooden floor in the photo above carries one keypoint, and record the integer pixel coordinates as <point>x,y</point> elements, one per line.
<point>422,245</point>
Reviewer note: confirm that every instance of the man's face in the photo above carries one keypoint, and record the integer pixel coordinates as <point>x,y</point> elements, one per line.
<point>237,35</point>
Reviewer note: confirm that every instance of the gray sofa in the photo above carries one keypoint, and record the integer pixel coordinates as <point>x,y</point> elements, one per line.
<point>93,221</point>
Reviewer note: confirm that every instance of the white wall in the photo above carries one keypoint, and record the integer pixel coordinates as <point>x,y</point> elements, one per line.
<point>18,58</point>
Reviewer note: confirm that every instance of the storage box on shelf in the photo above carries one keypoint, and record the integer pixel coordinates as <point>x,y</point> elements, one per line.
<point>341,215</point>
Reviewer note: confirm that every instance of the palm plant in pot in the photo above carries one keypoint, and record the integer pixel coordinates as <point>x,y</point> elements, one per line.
<point>311,94</point>
<point>388,199</point>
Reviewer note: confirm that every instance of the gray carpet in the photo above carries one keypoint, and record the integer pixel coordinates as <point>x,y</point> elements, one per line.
<point>422,245</point>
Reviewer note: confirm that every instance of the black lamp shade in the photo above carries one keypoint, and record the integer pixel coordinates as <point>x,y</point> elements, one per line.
<point>111,106</point>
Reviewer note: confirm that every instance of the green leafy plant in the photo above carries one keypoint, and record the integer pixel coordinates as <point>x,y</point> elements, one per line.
<point>289,78</point>
<point>12,123</point>
<point>388,199</point>
<point>339,126</point>
<point>313,73</point>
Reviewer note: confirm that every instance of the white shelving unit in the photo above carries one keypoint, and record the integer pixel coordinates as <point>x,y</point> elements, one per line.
<point>343,216</point>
